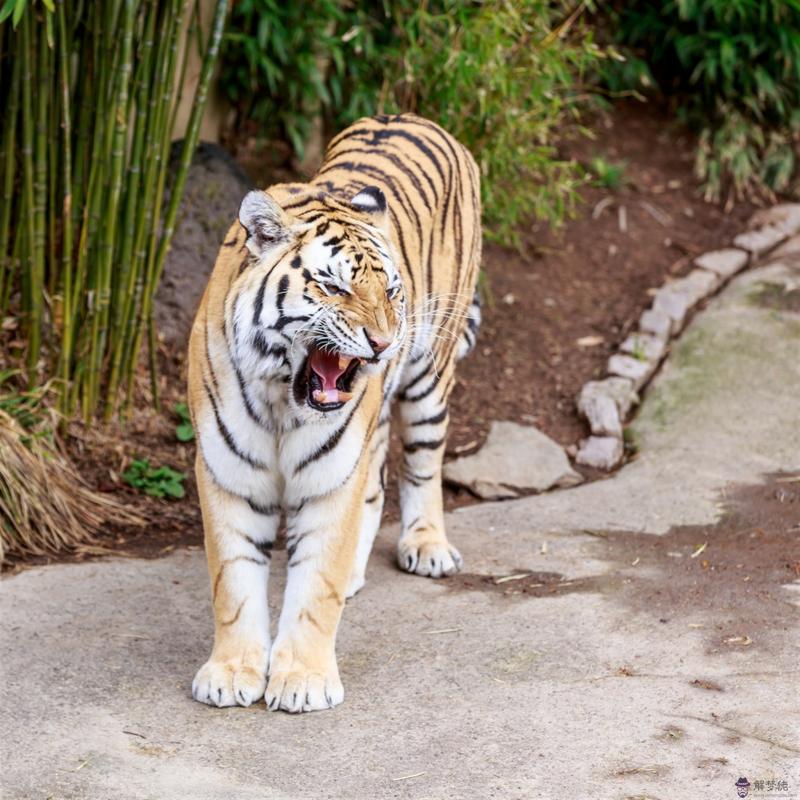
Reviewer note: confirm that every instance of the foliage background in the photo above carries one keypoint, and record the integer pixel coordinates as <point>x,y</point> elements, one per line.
<point>732,70</point>
<point>507,79</point>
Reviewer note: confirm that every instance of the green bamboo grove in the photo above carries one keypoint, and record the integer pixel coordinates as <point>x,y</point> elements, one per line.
<point>89,92</point>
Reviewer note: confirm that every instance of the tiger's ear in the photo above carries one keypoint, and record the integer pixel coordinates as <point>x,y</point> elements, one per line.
<point>266,223</point>
<point>372,201</point>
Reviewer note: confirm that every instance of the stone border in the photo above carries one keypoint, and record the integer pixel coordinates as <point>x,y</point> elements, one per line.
<point>606,404</point>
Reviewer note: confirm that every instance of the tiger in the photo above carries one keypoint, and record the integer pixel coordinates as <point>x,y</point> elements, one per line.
<point>333,305</point>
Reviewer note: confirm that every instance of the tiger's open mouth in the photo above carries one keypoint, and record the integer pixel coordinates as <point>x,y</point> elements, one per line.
<point>326,379</point>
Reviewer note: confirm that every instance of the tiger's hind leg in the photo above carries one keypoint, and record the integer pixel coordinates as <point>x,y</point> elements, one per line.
<point>239,540</point>
<point>373,506</point>
<point>423,547</point>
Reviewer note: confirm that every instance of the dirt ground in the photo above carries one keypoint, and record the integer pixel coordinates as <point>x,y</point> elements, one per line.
<point>591,278</point>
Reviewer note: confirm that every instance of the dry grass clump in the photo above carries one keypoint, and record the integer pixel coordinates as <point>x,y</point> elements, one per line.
<point>45,506</point>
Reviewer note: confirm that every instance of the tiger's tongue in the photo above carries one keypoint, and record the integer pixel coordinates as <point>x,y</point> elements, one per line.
<point>329,367</point>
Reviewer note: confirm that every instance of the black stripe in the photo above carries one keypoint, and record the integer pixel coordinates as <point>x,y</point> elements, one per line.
<point>402,242</point>
<point>379,174</point>
<point>267,511</point>
<point>411,399</point>
<point>265,547</point>
<point>333,439</point>
<point>440,417</point>
<point>415,381</point>
<point>258,304</point>
<point>302,202</point>
<point>292,543</point>
<point>227,437</point>
<point>265,349</point>
<point>398,163</point>
<point>422,444</point>
<point>248,405</point>
<point>386,135</point>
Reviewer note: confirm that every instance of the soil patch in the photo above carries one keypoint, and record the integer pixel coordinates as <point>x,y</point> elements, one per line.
<point>524,583</point>
<point>723,579</point>
<point>777,296</point>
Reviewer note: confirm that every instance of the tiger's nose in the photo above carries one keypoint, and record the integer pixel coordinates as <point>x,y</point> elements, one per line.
<point>377,343</point>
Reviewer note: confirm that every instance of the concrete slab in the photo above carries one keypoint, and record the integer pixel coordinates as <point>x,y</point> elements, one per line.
<point>452,690</point>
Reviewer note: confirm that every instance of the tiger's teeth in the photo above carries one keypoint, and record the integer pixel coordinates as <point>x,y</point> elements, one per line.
<point>320,397</point>
<point>345,396</point>
<point>344,362</point>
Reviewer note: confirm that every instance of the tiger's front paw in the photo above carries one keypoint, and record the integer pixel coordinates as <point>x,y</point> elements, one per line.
<point>221,683</point>
<point>303,689</point>
<point>433,559</point>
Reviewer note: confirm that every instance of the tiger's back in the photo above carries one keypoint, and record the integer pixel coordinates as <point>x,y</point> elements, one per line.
<point>436,216</point>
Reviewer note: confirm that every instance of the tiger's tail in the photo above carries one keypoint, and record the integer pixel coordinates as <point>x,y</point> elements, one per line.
<point>470,334</point>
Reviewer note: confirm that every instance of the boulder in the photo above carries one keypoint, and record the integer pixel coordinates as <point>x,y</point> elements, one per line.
<point>515,460</point>
<point>783,216</point>
<point>656,322</point>
<point>603,416</point>
<point>606,403</point>
<point>677,298</point>
<point>636,370</point>
<point>600,452</point>
<point>761,240</point>
<point>789,249</point>
<point>645,345</point>
<point>673,303</point>
<point>725,263</point>
<point>214,189</point>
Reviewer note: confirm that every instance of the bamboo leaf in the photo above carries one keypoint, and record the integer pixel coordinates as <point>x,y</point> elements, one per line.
<point>19,10</point>
<point>7,9</point>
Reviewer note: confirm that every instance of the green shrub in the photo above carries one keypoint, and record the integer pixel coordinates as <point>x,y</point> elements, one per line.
<point>733,66</point>
<point>283,64</point>
<point>607,174</point>
<point>505,79</point>
<point>155,481</point>
<point>184,432</point>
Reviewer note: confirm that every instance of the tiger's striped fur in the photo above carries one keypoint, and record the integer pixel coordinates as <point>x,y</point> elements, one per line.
<point>373,263</point>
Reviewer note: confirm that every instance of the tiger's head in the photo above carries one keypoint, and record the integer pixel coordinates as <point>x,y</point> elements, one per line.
<point>328,298</point>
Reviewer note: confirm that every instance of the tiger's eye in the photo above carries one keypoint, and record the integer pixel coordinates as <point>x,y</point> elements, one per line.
<point>332,288</point>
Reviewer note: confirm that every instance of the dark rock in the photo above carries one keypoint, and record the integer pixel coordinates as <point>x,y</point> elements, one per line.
<point>215,187</point>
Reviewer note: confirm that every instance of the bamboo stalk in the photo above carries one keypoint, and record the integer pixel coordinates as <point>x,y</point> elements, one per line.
<point>65,356</point>
<point>147,223</point>
<point>87,377</point>
<point>100,322</point>
<point>9,163</point>
<point>86,68</point>
<point>130,261</point>
<point>195,31</point>
<point>85,284</point>
<point>162,137</point>
<point>41,163</point>
<point>31,256</point>
<point>187,152</point>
